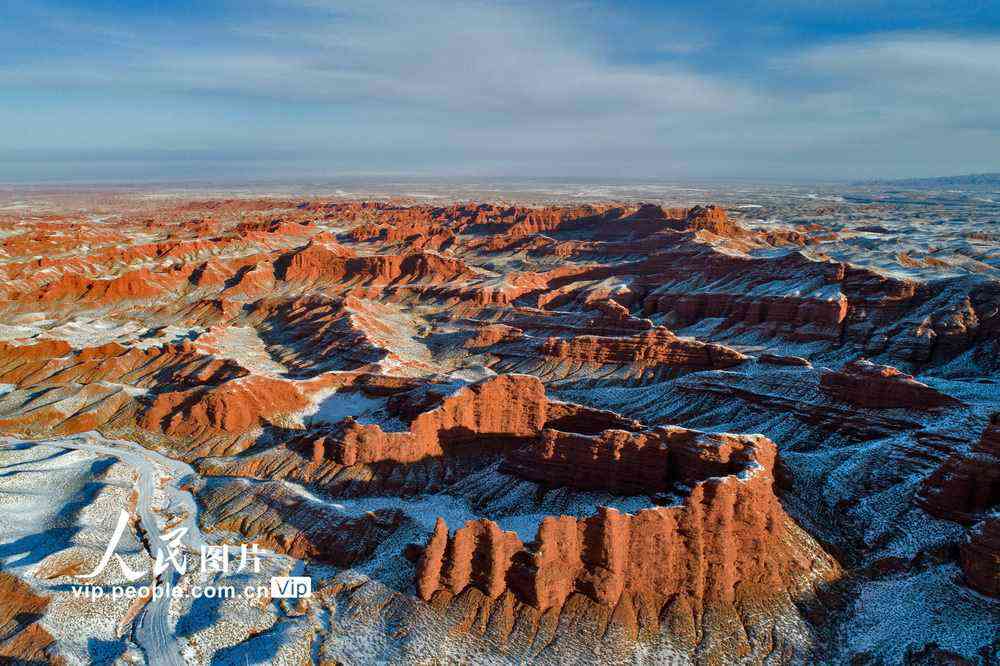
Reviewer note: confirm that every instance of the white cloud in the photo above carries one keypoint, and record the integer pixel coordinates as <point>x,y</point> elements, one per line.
<point>515,86</point>
<point>460,58</point>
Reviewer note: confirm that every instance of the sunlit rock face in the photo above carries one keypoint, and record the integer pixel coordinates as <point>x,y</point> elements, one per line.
<point>725,545</point>
<point>749,431</point>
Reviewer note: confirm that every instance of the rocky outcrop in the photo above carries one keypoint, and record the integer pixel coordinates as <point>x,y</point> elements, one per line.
<point>503,412</point>
<point>416,235</point>
<point>502,409</point>
<point>657,347</point>
<point>67,409</point>
<point>873,386</point>
<point>776,359</point>
<point>804,299</point>
<point>313,334</point>
<point>232,408</point>
<point>648,462</point>
<point>572,418</point>
<point>478,554</point>
<point>388,223</point>
<point>57,389</point>
<point>277,517</point>
<point>252,281</point>
<point>137,285</point>
<point>315,263</point>
<point>726,544</point>
<point>793,296</point>
<point>23,640</point>
<point>980,556</point>
<point>491,334</point>
<point>968,483</point>
<point>813,318</point>
<point>710,218</point>
<point>56,362</point>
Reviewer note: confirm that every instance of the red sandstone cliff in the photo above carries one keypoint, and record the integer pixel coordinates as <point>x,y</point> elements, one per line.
<point>131,286</point>
<point>866,384</point>
<point>967,484</point>
<point>507,407</point>
<point>232,408</point>
<point>728,543</point>
<point>335,264</point>
<point>491,334</point>
<point>627,462</point>
<point>965,489</point>
<point>55,362</point>
<point>980,556</point>
<point>656,347</point>
<point>710,218</point>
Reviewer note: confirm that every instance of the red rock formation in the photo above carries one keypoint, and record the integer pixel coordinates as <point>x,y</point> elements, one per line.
<point>867,384</point>
<point>573,418</point>
<point>691,282</point>
<point>273,516</point>
<point>388,223</point>
<point>416,235</point>
<point>315,333</point>
<point>313,262</point>
<point>274,227</point>
<point>774,359</point>
<point>781,310</point>
<point>967,484</point>
<point>42,350</point>
<point>401,462</point>
<point>489,335</point>
<point>656,347</point>
<point>234,407</point>
<point>253,281</point>
<point>432,560</point>
<point>322,263</point>
<point>729,542</point>
<point>507,407</point>
<point>23,640</point>
<point>136,285</point>
<point>68,409</point>
<point>710,218</point>
<point>478,554</point>
<point>627,463</point>
<point>415,267</point>
<point>55,362</point>
<point>980,556</point>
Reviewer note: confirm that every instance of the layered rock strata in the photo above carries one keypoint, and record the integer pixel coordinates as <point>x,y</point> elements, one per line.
<point>627,463</point>
<point>980,556</point>
<point>726,544</point>
<point>873,386</point>
<point>968,483</point>
<point>23,639</point>
<point>656,347</point>
<point>507,408</point>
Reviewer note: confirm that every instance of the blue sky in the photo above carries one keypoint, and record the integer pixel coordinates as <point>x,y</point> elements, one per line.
<point>104,90</point>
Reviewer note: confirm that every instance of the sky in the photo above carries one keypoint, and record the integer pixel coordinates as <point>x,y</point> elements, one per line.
<point>796,90</point>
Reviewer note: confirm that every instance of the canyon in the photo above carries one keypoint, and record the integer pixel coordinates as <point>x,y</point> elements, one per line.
<point>526,431</point>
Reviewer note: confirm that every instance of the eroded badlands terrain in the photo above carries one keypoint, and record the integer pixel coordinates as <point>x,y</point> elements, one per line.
<point>763,431</point>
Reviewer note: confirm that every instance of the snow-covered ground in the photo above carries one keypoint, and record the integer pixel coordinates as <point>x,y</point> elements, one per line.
<point>59,504</point>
